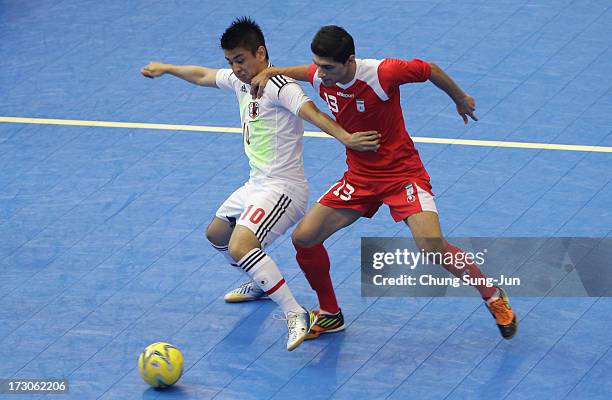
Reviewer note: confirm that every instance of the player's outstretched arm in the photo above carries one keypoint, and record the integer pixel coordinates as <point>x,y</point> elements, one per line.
<point>197,75</point>
<point>465,103</point>
<point>359,141</point>
<point>258,83</point>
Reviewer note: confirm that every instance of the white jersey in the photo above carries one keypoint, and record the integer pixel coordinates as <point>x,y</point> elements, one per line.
<point>271,128</point>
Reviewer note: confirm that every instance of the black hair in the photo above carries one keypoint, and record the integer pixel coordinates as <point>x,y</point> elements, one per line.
<point>245,33</point>
<point>333,42</point>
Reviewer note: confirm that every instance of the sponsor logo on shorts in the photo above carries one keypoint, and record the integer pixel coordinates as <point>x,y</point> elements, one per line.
<point>410,191</point>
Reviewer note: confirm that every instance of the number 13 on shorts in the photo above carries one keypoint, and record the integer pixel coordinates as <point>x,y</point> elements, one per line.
<point>344,190</point>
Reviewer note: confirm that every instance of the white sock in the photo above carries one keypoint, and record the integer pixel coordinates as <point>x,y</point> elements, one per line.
<point>264,271</point>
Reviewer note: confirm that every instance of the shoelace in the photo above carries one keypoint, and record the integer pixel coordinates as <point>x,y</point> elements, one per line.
<point>281,317</point>
<point>291,319</point>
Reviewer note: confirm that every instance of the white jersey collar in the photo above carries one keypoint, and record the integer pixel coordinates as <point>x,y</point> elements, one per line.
<point>348,85</point>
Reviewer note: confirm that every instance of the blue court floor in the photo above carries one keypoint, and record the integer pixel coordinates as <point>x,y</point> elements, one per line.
<point>101,229</point>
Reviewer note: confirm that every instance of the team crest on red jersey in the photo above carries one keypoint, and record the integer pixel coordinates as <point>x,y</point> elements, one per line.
<point>253,109</point>
<point>360,105</point>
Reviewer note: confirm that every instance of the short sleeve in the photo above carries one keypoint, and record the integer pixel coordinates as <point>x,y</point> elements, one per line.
<point>393,72</point>
<point>292,97</point>
<point>225,79</point>
<point>312,70</point>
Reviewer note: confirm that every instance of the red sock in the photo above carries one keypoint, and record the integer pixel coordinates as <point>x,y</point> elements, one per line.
<point>470,267</point>
<point>314,262</point>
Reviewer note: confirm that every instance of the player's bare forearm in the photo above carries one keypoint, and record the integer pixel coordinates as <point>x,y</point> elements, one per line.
<point>312,114</point>
<point>298,72</point>
<point>464,102</point>
<point>258,83</point>
<point>197,75</point>
<point>444,82</point>
<point>358,141</point>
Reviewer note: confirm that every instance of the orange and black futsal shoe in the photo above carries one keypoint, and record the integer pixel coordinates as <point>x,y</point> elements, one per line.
<point>506,320</point>
<point>325,323</point>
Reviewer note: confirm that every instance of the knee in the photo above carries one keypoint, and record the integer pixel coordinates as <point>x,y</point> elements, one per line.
<point>304,238</point>
<point>219,232</point>
<point>239,248</point>
<point>237,252</point>
<point>213,237</point>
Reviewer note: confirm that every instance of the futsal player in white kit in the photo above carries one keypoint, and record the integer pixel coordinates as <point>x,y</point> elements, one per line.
<point>276,194</point>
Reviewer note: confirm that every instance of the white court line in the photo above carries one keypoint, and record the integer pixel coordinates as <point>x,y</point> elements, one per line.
<point>222,129</point>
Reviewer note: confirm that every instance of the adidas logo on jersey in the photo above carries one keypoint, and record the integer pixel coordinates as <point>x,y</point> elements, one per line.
<point>243,89</point>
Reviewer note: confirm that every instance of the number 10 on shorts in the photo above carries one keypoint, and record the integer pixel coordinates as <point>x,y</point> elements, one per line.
<point>344,191</point>
<point>256,216</point>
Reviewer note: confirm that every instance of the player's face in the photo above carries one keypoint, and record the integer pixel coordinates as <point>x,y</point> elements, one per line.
<point>246,64</point>
<point>331,72</point>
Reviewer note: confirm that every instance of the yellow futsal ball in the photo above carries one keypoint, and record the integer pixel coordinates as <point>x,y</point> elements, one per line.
<point>160,364</point>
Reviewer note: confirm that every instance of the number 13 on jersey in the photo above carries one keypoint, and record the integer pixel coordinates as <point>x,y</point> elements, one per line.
<point>332,102</point>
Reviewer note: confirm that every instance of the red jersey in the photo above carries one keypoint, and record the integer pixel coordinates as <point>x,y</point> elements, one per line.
<point>371,102</point>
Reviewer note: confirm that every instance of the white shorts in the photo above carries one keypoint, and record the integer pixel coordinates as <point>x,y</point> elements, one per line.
<point>268,211</point>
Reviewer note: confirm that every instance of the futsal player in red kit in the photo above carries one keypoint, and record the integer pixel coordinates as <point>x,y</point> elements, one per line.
<point>364,95</point>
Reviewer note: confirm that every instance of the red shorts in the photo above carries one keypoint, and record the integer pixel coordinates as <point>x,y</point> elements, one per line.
<point>404,197</point>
